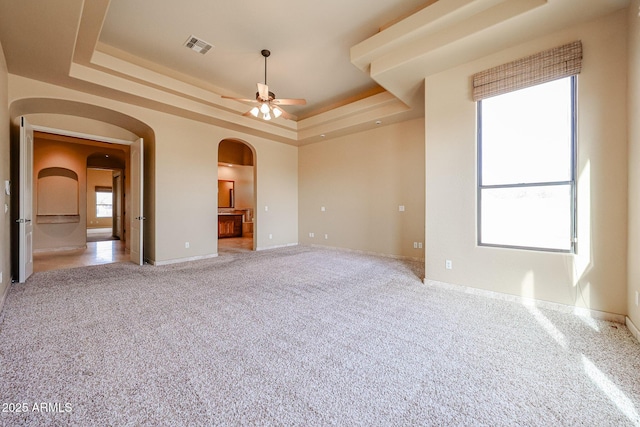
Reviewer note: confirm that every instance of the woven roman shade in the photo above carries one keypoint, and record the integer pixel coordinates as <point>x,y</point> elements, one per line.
<point>552,64</point>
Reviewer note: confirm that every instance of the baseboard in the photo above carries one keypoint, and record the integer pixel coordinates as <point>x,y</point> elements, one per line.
<point>569,309</point>
<point>3,297</point>
<point>358,251</point>
<point>180,260</point>
<point>266,248</point>
<point>633,329</point>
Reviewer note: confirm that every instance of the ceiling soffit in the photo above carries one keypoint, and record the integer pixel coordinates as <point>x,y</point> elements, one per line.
<point>443,34</point>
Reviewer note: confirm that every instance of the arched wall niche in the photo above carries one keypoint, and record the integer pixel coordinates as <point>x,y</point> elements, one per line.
<point>58,193</point>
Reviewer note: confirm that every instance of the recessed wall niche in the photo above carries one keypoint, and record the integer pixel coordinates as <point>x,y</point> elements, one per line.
<point>58,196</point>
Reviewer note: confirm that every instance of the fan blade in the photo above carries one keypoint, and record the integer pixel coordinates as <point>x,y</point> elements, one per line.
<point>239,99</point>
<point>286,101</point>
<point>284,114</point>
<point>263,91</point>
<point>248,114</point>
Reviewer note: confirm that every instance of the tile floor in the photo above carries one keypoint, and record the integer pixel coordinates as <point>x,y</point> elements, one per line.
<point>96,253</point>
<point>111,251</point>
<point>235,244</point>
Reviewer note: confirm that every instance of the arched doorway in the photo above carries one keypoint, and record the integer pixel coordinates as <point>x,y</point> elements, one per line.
<point>73,201</point>
<point>236,196</point>
<point>106,190</point>
<point>73,119</point>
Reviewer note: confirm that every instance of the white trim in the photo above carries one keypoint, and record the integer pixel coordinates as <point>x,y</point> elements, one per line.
<point>358,251</point>
<point>266,248</point>
<point>81,135</point>
<point>569,309</point>
<point>3,297</point>
<point>633,329</point>
<point>180,260</point>
<point>99,230</point>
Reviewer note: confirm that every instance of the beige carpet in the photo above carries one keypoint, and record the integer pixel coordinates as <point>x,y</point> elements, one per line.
<point>300,336</point>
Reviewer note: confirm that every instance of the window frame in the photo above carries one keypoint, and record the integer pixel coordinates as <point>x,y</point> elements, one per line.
<point>571,183</point>
<point>105,190</point>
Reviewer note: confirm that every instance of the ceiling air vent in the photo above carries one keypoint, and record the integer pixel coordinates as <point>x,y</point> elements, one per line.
<point>198,45</point>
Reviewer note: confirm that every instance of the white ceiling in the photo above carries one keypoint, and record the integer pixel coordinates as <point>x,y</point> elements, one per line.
<point>309,43</point>
<point>332,53</point>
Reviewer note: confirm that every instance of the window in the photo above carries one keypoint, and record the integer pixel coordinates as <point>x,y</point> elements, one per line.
<point>104,202</point>
<point>526,167</point>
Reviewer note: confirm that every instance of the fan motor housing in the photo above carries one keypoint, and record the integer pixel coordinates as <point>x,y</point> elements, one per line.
<point>272,96</point>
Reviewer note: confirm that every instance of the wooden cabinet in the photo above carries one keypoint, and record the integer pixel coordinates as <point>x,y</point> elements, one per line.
<point>229,225</point>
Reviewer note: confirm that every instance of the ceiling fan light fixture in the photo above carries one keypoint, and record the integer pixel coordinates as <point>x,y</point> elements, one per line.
<point>266,101</point>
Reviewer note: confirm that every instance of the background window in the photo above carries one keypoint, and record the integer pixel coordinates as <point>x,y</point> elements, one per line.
<point>526,167</point>
<point>104,203</point>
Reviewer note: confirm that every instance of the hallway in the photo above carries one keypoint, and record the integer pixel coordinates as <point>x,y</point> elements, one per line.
<point>104,252</point>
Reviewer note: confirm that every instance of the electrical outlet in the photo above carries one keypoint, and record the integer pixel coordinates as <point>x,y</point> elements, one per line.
<point>401,208</point>
<point>3,282</point>
<point>270,236</point>
<point>266,208</point>
<point>448,264</point>
<point>186,245</point>
<point>419,245</point>
<point>323,209</point>
<point>326,236</point>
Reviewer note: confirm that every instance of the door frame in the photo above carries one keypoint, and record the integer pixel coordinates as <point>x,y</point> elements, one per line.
<point>73,134</point>
<point>24,196</point>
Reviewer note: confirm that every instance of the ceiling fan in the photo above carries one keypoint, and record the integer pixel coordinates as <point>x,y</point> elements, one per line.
<point>268,104</point>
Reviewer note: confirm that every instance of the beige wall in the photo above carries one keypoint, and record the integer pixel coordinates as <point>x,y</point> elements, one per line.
<point>362,193</point>
<point>361,180</point>
<point>5,224</point>
<point>634,161</point>
<point>102,178</point>
<point>596,276</point>
<point>181,202</point>
<point>61,154</point>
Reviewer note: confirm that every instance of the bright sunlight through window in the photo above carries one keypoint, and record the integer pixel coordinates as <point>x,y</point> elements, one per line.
<point>526,168</point>
<point>104,204</point>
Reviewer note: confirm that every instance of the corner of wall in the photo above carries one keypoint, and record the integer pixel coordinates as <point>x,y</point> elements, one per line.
<point>633,329</point>
<point>5,243</point>
<point>633,94</point>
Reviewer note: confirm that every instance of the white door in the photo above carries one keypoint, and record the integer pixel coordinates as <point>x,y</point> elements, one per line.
<point>137,217</point>
<point>117,204</point>
<point>25,233</point>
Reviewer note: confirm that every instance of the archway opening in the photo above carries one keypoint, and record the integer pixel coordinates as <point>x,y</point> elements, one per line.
<point>236,196</point>
<point>99,125</point>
